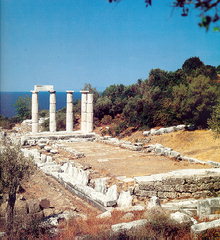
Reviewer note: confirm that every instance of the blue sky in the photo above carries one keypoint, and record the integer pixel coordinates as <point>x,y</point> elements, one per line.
<point>68,43</point>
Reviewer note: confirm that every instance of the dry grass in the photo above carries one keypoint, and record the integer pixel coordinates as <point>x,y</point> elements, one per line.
<point>199,144</point>
<point>94,226</point>
<point>159,227</point>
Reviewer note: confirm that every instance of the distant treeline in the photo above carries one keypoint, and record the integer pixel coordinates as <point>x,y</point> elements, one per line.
<point>190,95</point>
<point>187,96</point>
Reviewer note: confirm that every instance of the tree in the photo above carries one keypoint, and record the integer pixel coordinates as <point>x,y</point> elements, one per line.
<point>14,168</point>
<point>214,121</point>
<point>23,107</point>
<point>208,10</point>
<point>134,112</point>
<point>193,102</point>
<point>114,91</point>
<point>159,78</point>
<point>102,107</point>
<point>211,72</point>
<point>195,67</point>
<point>166,98</point>
<point>191,65</point>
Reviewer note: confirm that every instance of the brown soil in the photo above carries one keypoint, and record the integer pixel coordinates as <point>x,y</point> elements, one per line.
<point>41,186</point>
<point>114,161</point>
<point>199,144</point>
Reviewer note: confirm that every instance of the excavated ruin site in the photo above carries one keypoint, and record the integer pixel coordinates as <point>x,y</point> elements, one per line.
<point>89,175</point>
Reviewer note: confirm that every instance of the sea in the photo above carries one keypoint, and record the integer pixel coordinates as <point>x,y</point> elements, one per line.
<point>8,100</point>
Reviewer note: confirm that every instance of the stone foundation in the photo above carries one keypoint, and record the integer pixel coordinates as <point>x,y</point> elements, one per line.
<point>76,179</point>
<point>195,183</point>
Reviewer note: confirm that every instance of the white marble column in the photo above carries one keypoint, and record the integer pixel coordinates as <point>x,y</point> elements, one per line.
<point>35,124</point>
<point>52,125</point>
<point>84,110</point>
<point>69,111</point>
<point>89,110</point>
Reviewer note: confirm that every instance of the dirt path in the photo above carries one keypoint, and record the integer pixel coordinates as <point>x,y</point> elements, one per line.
<point>115,161</point>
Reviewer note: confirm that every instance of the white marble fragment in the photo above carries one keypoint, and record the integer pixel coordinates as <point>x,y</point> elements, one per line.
<point>124,199</point>
<point>154,202</point>
<point>128,226</point>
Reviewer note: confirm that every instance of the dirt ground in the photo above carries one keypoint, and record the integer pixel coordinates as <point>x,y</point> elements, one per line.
<point>115,161</point>
<point>199,144</point>
<point>41,186</point>
<point>106,160</point>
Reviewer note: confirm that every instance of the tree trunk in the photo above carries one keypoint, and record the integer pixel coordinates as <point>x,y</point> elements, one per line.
<point>10,212</point>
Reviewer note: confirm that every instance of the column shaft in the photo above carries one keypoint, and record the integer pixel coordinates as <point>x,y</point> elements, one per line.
<point>35,125</point>
<point>69,111</point>
<point>83,111</point>
<point>89,110</point>
<point>52,125</point>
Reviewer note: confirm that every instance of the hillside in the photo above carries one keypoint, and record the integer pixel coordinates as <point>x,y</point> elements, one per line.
<point>199,144</point>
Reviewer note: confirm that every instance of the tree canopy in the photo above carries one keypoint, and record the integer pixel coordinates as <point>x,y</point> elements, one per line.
<point>187,95</point>
<point>208,10</point>
<point>23,108</point>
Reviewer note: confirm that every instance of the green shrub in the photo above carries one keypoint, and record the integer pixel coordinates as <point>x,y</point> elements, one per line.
<point>120,128</point>
<point>44,113</point>
<point>6,123</point>
<point>45,125</point>
<point>193,102</point>
<point>61,120</point>
<point>214,121</point>
<point>187,95</point>
<point>107,119</point>
<point>23,108</point>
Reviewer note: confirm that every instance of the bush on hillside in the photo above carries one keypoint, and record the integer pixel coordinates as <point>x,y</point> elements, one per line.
<point>186,96</point>
<point>102,107</point>
<point>107,119</point>
<point>44,113</point>
<point>6,123</point>
<point>120,128</point>
<point>193,102</point>
<point>214,121</point>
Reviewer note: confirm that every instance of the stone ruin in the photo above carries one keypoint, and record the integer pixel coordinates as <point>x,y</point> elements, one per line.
<point>173,187</point>
<point>86,109</point>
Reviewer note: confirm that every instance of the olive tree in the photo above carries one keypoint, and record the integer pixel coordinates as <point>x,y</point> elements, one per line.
<point>14,168</point>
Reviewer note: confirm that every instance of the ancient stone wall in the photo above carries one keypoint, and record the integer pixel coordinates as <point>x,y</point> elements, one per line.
<point>75,178</point>
<point>195,183</point>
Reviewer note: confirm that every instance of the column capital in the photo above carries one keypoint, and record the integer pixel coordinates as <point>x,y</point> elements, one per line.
<point>33,91</point>
<point>52,91</point>
<point>84,91</point>
<point>69,91</point>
